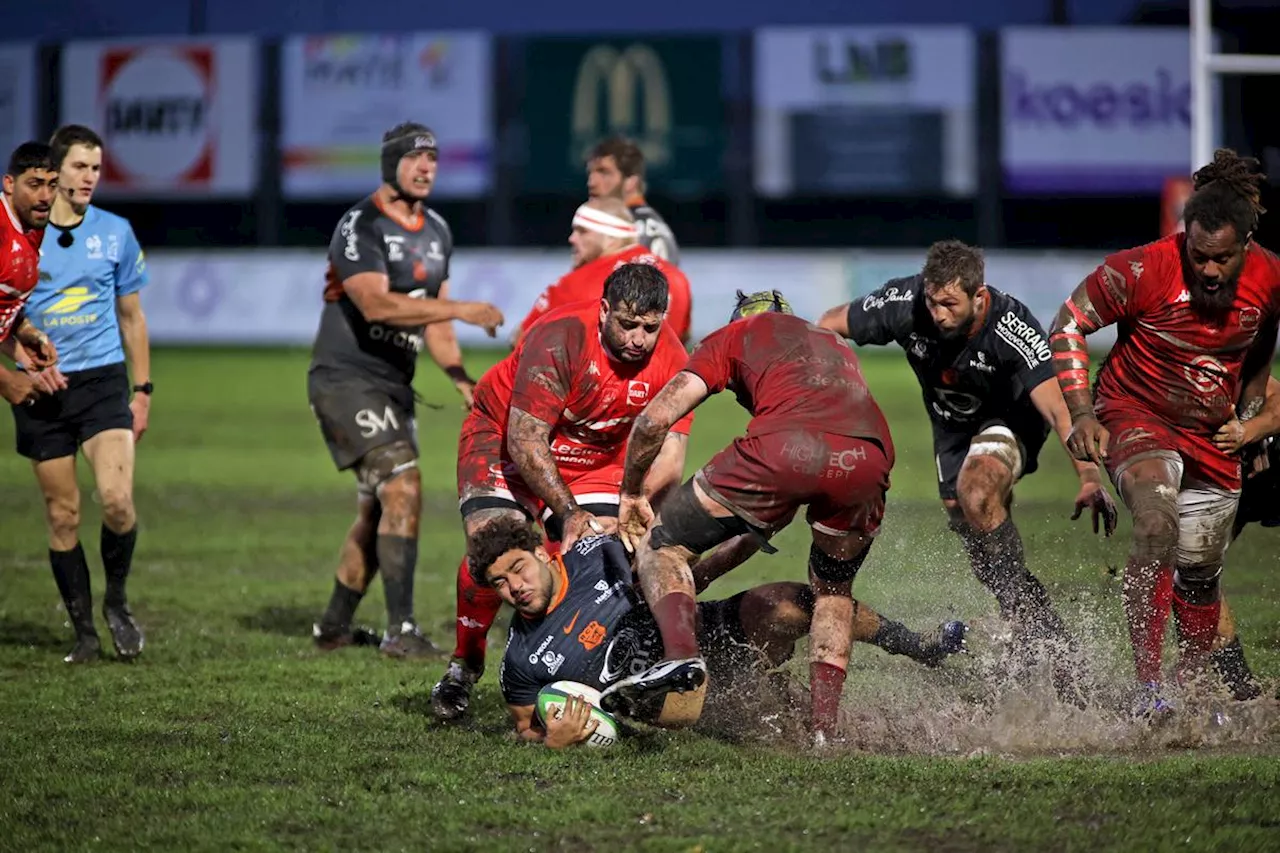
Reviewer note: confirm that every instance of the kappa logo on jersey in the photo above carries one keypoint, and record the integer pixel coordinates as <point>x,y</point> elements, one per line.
<point>1184,296</point>
<point>637,392</point>
<point>348,230</point>
<point>371,423</point>
<point>1135,267</point>
<point>890,295</point>
<point>1024,338</point>
<point>1206,374</point>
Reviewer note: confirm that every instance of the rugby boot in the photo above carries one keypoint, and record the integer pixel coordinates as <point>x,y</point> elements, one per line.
<point>668,694</point>
<point>451,695</point>
<point>408,641</point>
<point>942,642</point>
<point>87,649</point>
<point>330,637</point>
<point>126,636</point>
<point>1234,671</point>
<point>1149,703</point>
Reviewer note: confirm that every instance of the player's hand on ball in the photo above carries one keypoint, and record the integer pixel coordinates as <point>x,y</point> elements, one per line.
<point>1095,498</point>
<point>1088,440</point>
<point>1231,436</point>
<point>634,517</point>
<point>579,523</point>
<point>573,724</point>
<point>482,314</point>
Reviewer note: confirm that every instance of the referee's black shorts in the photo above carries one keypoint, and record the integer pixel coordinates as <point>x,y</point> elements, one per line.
<point>55,425</point>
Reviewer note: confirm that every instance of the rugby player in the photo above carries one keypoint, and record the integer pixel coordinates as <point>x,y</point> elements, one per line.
<point>1197,315</point>
<point>816,438</point>
<point>579,618</point>
<point>615,169</point>
<point>29,186</point>
<point>88,302</point>
<point>546,436</point>
<point>604,236</point>
<point>983,363</point>
<point>387,279</point>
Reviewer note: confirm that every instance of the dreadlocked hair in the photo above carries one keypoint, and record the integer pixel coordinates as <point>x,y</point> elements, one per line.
<point>1228,191</point>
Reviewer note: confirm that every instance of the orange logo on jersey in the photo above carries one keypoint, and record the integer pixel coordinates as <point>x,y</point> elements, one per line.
<point>419,270</point>
<point>592,635</point>
<point>568,629</point>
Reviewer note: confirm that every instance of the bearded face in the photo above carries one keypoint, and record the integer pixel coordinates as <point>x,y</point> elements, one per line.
<point>1211,265</point>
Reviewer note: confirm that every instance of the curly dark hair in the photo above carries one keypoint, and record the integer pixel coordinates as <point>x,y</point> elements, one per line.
<point>496,538</point>
<point>642,287</point>
<point>1228,191</point>
<point>950,260</point>
<point>625,153</point>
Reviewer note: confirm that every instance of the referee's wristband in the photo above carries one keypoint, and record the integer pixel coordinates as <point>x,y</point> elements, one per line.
<point>458,374</point>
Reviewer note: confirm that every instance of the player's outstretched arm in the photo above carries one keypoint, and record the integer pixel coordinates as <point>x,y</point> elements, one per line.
<point>836,319</point>
<point>529,444</point>
<point>680,396</point>
<point>1076,320</point>
<point>1093,495</point>
<point>371,293</point>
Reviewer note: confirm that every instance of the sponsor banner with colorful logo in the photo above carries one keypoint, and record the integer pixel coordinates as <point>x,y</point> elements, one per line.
<point>1102,110</point>
<point>340,93</point>
<point>179,117</point>
<point>887,110</point>
<point>17,96</point>
<point>664,93</point>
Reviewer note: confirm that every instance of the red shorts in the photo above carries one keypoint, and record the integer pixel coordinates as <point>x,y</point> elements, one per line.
<point>1135,433</point>
<point>488,478</point>
<point>765,479</point>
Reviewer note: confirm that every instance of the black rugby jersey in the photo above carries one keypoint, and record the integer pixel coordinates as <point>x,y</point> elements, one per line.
<point>415,261</point>
<point>965,382</point>
<point>654,234</point>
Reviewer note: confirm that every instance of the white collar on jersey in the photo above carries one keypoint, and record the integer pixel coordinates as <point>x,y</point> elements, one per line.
<point>13,217</point>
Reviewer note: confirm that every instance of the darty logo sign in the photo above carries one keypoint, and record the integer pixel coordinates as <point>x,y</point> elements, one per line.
<point>1096,110</point>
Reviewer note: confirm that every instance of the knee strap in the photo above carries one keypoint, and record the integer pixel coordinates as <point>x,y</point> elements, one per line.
<point>384,463</point>
<point>686,523</point>
<point>833,570</point>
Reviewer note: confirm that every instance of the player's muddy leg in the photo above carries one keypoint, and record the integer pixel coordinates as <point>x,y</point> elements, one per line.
<point>1205,520</point>
<point>397,548</point>
<point>111,454</point>
<point>833,563</point>
<point>357,564</point>
<point>1149,487</point>
<point>774,616</point>
<point>57,480</point>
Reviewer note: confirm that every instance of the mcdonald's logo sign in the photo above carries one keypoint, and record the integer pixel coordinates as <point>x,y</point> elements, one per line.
<point>625,92</point>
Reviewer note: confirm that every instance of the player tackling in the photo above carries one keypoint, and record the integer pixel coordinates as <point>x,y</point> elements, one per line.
<point>1197,315</point>
<point>387,279</point>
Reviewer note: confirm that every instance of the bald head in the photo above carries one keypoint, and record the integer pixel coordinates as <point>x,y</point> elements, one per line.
<point>601,226</point>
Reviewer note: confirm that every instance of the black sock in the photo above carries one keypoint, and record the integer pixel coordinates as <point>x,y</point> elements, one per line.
<point>71,573</point>
<point>1001,565</point>
<point>896,638</point>
<point>117,559</point>
<point>397,559</point>
<point>342,606</point>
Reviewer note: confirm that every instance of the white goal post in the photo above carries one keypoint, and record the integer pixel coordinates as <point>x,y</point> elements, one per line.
<point>1204,64</point>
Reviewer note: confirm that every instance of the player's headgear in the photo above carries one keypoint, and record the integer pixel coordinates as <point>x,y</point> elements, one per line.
<point>760,302</point>
<point>400,140</point>
<point>607,224</point>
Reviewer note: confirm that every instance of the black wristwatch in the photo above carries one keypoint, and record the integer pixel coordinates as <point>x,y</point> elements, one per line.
<point>144,388</point>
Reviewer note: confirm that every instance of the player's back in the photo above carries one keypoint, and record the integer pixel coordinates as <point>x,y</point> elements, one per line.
<point>790,373</point>
<point>653,232</point>
<point>1169,358</point>
<point>573,639</point>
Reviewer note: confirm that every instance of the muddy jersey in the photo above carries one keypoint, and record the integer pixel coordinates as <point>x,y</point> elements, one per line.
<point>1169,359</point>
<point>579,636</point>
<point>790,374</point>
<point>19,266</point>
<point>653,232</point>
<point>562,374</point>
<point>415,258</point>
<point>966,382</point>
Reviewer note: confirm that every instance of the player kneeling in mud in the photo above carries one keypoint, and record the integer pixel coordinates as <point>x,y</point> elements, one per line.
<point>580,618</point>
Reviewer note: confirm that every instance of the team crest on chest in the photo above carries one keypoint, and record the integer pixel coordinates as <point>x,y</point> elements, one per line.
<point>1250,317</point>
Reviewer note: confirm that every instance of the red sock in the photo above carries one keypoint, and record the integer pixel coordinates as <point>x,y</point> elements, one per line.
<point>477,607</point>
<point>1197,627</point>
<point>826,683</point>
<point>676,614</point>
<point>1147,623</point>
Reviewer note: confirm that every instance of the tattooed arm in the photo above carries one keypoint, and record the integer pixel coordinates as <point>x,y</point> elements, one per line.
<point>529,443</point>
<point>677,398</point>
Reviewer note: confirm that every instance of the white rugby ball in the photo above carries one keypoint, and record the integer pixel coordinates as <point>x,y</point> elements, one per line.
<point>551,700</point>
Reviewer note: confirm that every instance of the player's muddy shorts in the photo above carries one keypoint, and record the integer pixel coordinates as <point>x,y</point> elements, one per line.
<point>765,479</point>
<point>951,447</point>
<point>55,425</point>
<point>1136,434</point>
<point>358,413</point>
<point>489,479</point>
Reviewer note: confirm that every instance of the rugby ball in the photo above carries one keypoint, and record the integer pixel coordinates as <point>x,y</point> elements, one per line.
<point>551,700</point>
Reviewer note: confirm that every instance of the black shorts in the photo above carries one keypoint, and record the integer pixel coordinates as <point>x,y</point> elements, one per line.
<point>358,414</point>
<point>1260,493</point>
<point>56,425</point>
<point>951,446</point>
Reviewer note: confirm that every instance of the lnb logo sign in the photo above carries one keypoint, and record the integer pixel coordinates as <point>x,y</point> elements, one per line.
<point>622,92</point>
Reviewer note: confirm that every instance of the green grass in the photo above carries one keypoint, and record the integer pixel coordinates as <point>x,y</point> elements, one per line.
<point>232,733</point>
